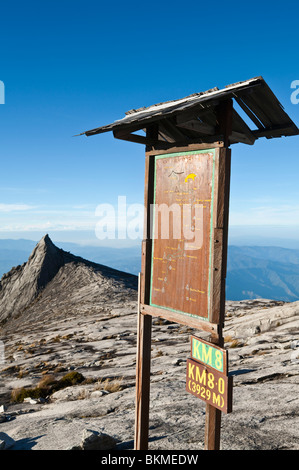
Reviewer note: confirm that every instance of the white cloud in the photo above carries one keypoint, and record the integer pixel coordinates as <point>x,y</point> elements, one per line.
<point>15,207</point>
<point>34,225</point>
<point>280,214</point>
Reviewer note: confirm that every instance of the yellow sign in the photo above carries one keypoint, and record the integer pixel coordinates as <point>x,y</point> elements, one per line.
<point>209,385</point>
<point>209,354</point>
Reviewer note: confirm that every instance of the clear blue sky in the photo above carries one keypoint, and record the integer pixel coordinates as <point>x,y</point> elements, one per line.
<point>70,66</point>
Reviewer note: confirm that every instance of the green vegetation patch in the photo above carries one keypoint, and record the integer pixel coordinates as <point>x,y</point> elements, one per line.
<point>47,386</point>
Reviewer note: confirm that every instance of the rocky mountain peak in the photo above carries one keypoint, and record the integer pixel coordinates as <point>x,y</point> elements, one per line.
<point>45,261</point>
<point>45,242</point>
<point>57,272</point>
<point>45,247</point>
<point>22,284</point>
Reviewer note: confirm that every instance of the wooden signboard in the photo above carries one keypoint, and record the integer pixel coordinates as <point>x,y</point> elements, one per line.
<point>184,263</point>
<point>184,247</point>
<point>182,232</point>
<point>207,374</point>
<point>184,254</point>
<point>184,271</point>
<point>209,385</point>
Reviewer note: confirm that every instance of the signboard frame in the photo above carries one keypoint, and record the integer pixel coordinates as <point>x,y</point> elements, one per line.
<point>220,127</point>
<point>207,158</point>
<point>218,245</point>
<point>217,292</point>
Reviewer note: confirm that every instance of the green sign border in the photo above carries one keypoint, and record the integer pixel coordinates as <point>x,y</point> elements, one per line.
<point>179,154</point>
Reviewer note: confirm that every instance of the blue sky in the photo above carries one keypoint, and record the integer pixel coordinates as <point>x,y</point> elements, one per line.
<point>70,66</point>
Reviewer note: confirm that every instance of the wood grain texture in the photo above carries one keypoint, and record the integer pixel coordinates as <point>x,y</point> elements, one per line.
<point>183,225</point>
<point>192,322</point>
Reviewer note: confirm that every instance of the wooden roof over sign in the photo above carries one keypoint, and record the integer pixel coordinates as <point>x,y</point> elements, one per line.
<point>195,119</point>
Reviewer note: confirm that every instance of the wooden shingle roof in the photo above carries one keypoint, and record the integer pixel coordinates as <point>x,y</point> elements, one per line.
<point>194,118</point>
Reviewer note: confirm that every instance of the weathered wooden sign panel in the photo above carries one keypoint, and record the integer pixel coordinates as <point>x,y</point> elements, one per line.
<point>209,354</point>
<point>209,385</point>
<point>184,268</point>
<point>184,191</point>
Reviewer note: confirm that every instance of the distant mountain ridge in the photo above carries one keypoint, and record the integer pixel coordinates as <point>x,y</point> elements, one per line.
<point>47,266</point>
<point>16,252</point>
<point>262,272</point>
<point>253,271</point>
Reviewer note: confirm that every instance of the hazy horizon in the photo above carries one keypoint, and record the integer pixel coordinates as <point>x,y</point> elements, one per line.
<point>253,270</point>
<point>284,236</point>
<point>57,86</point>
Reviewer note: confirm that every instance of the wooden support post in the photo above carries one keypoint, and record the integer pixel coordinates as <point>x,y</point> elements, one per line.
<point>213,415</point>
<point>212,429</point>
<point>225,109</point>
<point>144,327</point>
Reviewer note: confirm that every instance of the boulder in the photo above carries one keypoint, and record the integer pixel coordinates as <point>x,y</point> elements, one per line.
<point>6,442</point>
<point>94,440</point>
